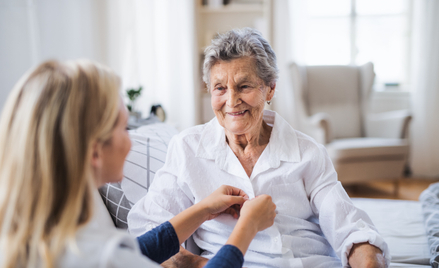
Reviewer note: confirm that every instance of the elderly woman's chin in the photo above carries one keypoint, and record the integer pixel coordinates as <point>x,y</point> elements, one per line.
<point>238,124</point>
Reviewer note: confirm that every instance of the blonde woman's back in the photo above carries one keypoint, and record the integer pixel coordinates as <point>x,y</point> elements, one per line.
<point>104,247</point>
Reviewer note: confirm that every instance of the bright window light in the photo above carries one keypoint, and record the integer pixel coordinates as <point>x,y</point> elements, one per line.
<point>319,8</point>
<point>343,32</point>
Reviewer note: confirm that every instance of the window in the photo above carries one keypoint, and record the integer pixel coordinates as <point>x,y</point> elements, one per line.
<point>358,31</point>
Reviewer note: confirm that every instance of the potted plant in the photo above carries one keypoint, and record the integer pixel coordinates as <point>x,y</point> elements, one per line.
<point>133,94</point>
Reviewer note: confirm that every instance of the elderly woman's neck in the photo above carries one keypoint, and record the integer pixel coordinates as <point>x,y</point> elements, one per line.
<point>256,138</point>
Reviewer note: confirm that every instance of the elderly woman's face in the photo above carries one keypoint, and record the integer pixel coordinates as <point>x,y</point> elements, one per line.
<point>238,95</point>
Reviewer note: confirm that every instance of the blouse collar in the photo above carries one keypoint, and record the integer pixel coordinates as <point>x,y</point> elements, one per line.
<point>213,145</point>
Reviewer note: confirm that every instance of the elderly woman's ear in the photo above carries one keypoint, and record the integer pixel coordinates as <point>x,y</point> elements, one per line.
<point>270,94</point>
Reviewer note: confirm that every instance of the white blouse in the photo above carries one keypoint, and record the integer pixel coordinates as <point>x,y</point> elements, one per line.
<point>316,224</point>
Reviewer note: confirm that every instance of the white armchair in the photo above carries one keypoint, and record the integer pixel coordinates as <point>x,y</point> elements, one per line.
<point>333,107</point>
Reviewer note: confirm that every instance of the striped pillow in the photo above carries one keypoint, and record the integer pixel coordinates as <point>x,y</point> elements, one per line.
<point>147,155</point>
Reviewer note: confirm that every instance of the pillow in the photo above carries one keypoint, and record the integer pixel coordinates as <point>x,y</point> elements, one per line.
<point>147,155</point>
<point>430,208</point>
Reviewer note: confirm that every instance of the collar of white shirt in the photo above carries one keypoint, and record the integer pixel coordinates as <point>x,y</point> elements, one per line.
<point>212,145</point>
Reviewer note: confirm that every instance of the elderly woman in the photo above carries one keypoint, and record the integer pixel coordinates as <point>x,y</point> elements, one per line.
<point>257,151</point>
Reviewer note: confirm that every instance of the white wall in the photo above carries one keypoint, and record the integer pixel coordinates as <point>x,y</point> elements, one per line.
<point>15,45</point>
<point>34,31</point>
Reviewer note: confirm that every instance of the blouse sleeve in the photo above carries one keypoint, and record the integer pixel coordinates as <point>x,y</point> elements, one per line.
<point>166,197</point>
<point>341,222</point>
<point>160,243</point>
<point>227,257</point>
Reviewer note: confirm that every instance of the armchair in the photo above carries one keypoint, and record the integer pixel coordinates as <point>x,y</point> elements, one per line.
<point>333,107</point>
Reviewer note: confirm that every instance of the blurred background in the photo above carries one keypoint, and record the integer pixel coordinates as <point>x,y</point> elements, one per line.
<point>159,44</point>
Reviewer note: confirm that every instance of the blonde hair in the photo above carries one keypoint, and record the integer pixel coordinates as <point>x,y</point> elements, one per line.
<point>49,124</point>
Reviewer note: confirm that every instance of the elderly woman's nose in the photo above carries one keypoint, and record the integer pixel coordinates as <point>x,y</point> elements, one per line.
<point>233,98</point>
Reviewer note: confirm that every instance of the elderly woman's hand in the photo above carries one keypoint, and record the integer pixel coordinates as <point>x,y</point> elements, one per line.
<point>226,199</point>
<point>185,259</point>
<point>367,256</point>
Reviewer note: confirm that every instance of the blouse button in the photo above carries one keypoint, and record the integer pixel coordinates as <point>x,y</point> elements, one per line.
<point>361,225</point>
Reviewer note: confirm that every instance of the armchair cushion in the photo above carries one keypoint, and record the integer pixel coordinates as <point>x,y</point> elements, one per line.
<point>361,149</point>
<point>364,159</point>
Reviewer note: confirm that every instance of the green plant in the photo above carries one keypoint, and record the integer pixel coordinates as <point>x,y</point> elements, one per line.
<point>133,94</point>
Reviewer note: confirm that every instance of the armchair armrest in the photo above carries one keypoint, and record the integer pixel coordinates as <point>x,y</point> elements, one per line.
<point>393,124</point>
<point>319,127</point>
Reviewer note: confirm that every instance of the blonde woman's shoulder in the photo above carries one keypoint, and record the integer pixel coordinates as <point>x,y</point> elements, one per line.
<point>106,248</point>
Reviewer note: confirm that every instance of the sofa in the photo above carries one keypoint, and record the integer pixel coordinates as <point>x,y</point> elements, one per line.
<point>399,221</point>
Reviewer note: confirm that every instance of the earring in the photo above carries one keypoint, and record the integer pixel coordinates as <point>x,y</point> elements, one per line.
<point>269,102</point>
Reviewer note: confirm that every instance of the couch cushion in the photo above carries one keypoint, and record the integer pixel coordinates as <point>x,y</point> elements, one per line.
<point>367,148</point>
<point>401,224</point>
<point>147,155</point>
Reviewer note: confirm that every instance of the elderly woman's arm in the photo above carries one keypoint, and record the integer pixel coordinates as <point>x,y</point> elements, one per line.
<point>348,229</point>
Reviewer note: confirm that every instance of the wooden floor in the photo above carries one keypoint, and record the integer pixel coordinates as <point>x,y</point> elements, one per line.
<point>409,189</point>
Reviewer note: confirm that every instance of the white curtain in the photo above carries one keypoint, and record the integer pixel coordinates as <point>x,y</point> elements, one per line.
<point>287,29</point>
<point>148,42</point>
<point>425,83</point>
<point>283,101</point>
<point>152,44</point>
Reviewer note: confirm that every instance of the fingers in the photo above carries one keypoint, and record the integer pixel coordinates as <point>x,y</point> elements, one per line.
<point>232,211</point>
<point>236,200</point>
<point>260,211</point>
<point>230,190</point>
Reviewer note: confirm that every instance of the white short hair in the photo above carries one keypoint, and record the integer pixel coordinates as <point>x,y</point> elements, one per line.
<point>237,43</point>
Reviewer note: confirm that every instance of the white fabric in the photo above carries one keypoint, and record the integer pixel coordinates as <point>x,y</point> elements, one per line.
<point>104,248</point>
<point>425,83</point>
<point>400,222</point>
<point>293,169</point>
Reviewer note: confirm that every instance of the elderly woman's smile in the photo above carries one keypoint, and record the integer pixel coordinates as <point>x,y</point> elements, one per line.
<point>238,95</point>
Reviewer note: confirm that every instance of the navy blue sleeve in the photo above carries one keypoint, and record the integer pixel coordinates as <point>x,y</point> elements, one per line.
<point>228,257</point>
<point>160,243</point>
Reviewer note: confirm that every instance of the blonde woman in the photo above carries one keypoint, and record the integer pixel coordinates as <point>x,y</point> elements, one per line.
<point>62,134</point>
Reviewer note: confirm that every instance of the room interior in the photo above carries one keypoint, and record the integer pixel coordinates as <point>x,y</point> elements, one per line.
<point>159,45</point>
